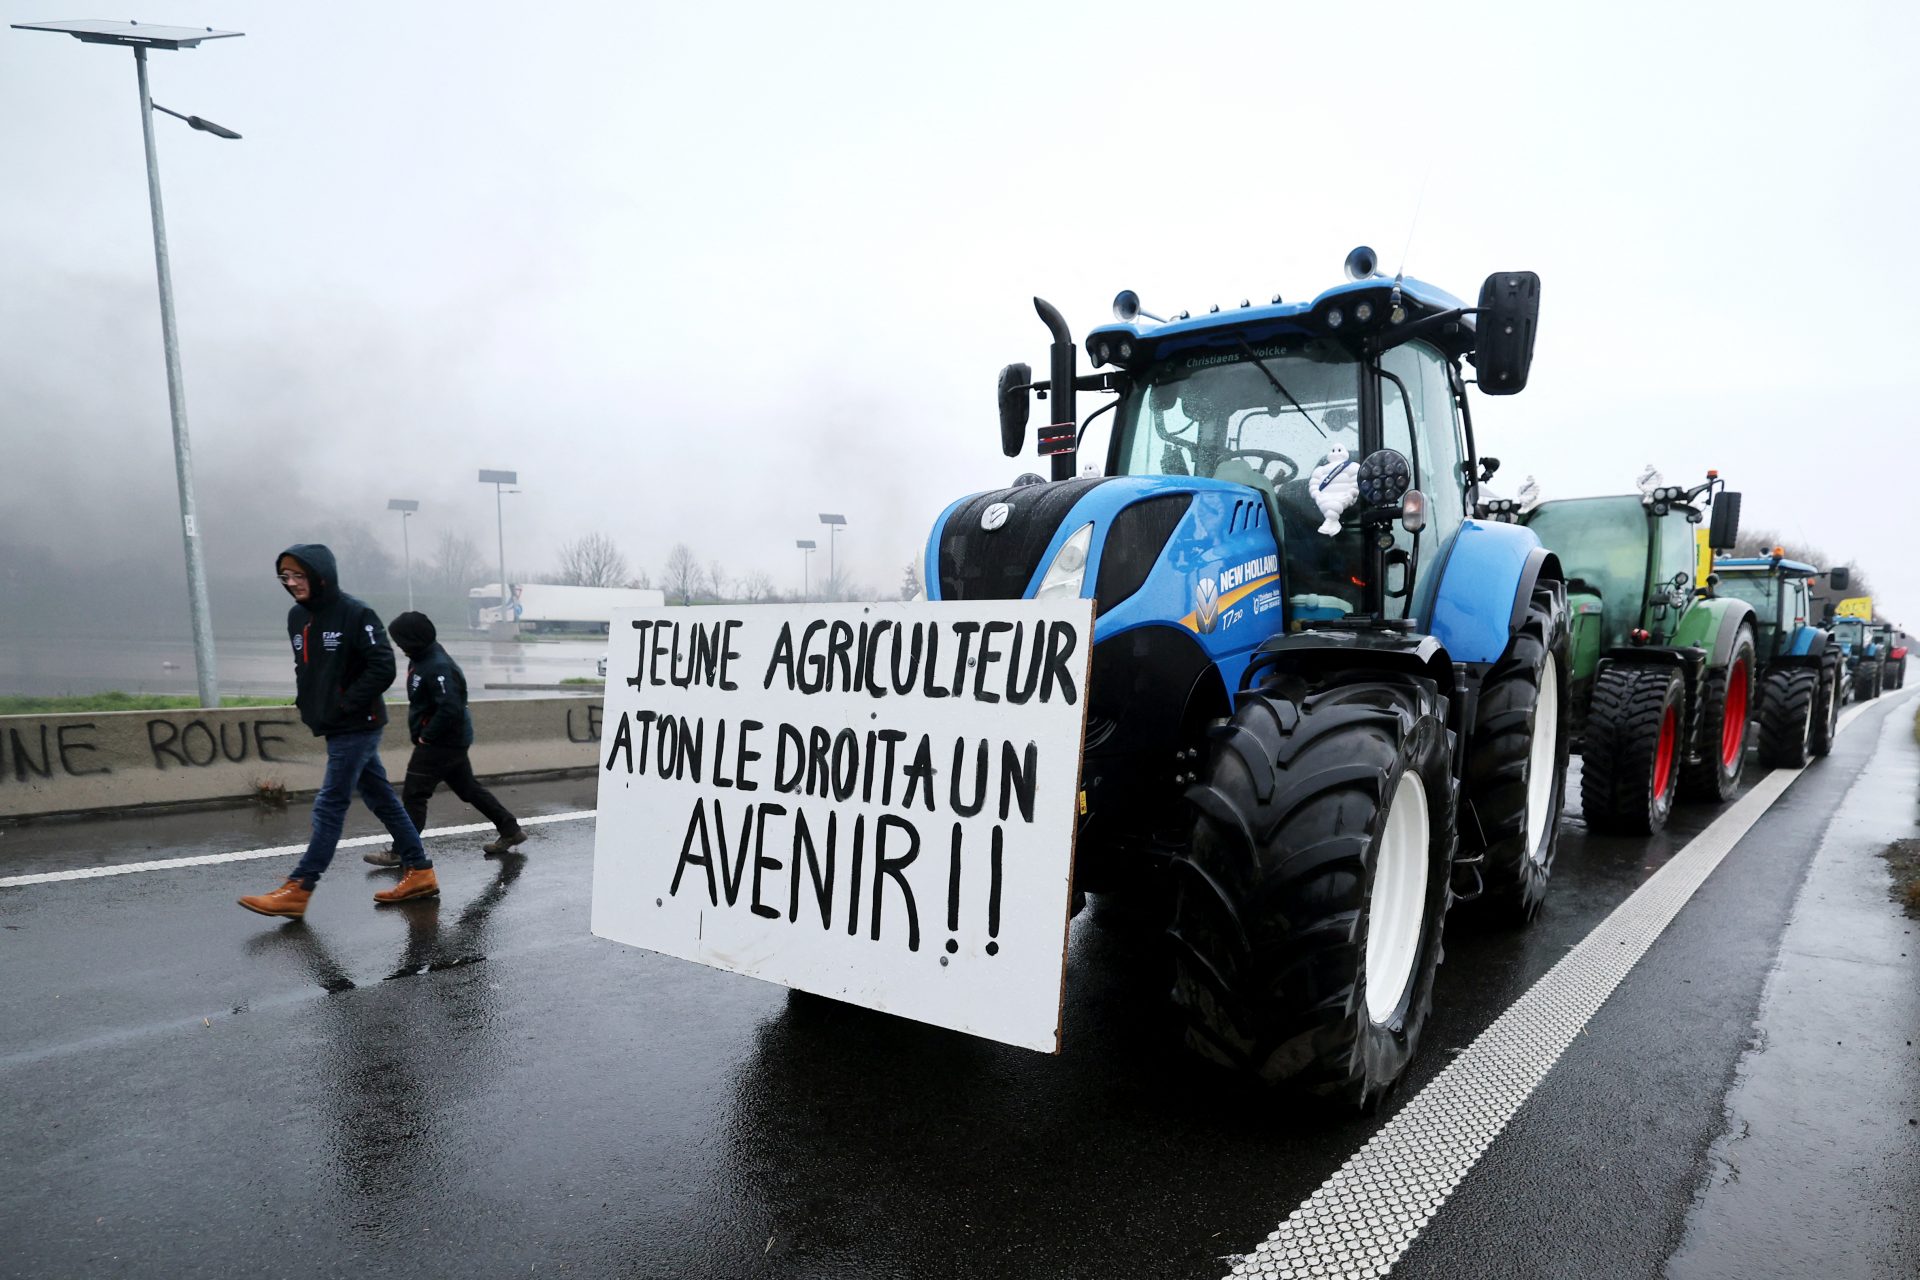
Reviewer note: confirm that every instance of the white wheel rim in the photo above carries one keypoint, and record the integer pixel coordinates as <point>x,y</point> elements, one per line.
<point>1396,911</point>
<point>1544,754</point>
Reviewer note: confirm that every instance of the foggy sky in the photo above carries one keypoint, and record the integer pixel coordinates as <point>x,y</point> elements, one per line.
<point>702,272</point>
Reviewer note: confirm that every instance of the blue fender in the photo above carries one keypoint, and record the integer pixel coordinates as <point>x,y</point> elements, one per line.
<point>1485,584</point>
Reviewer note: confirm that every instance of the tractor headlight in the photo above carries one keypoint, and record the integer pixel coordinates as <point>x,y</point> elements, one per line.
<point>1334,318</point>
<point>1068,571</point>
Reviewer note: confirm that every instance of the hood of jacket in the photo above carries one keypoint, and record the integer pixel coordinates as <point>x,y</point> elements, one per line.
<point>323,579</point>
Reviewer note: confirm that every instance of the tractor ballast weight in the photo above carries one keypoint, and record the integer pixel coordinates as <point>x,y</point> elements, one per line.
<point>1662,669</point>
<point>1323,698</point>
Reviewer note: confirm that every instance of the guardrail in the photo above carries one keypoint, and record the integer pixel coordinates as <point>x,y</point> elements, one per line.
<point>77,762</point>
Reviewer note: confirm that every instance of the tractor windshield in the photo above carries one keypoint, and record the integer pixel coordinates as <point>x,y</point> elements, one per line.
<point>1850,631</point>
<point>1604,542</point>
<point>1219,414</point>
<point>1757,589</point>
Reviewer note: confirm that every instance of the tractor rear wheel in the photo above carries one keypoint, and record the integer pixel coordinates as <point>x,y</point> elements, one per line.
<point>1826,705</point>
<point>1310,900</point>
<point>1866,679</point>
<point>1786,726</point>
<point>1726,695</point>
<point>1630,758</point>
<point>1516,774</point>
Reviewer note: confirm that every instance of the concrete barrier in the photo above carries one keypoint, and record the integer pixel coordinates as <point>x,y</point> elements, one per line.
<point>119,759</point>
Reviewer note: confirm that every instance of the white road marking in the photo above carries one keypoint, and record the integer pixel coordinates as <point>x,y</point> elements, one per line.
<point>1362,1220</point>
<point>277,851</point>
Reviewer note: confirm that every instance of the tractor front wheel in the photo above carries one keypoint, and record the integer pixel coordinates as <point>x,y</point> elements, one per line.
<point>1726,693</point>
<point>1826,706</point>
<point>1786,725</point>
<point>1516,774</point>
<point>1310,900</point>
<point>1866,679</point>
<point>1630,758</point>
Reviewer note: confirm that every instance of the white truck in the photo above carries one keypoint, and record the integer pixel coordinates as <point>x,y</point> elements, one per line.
<point>544,606</point>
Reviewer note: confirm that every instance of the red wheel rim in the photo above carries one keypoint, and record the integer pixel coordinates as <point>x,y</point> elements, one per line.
<point>1733,728</point>
<point>1663,754</point>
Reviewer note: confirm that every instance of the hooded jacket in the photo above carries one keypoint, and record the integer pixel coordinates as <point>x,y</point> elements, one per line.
<point>436,687</point>
<point>342,662</point>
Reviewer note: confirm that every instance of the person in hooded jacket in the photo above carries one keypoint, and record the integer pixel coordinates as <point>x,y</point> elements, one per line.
<point>341,665</point>
<point>442,730</point>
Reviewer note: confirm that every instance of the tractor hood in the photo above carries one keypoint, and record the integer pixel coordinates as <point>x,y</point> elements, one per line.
<point>1151,549</point>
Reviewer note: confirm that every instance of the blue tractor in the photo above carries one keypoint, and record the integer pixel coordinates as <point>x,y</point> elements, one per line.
<point>1323,698</point>
<point>1801,664</point>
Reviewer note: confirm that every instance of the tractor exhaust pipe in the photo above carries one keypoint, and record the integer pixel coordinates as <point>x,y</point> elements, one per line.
<point>1058,439</point>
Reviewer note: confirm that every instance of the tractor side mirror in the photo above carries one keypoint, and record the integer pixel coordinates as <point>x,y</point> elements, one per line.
<point>1015,381</point>
<point>1725,529</point>
<point>1838,578</point>
<point>1503,331</point>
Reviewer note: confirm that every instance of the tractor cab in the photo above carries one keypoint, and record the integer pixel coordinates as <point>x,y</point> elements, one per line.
<point>1780,592</point>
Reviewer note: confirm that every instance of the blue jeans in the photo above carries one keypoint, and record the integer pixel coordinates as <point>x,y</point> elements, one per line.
<point>353,761</point>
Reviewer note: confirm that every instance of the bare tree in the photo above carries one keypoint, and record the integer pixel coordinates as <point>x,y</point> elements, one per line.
<point>640,579</point>
<point>364,562</point>
<point>716,580</point>
<point>456,561</point>
<point>683,578</point>
<point>755,587</point>
<point>592,561</point>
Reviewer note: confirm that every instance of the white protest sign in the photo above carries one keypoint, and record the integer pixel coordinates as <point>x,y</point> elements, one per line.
<point>872,802</point>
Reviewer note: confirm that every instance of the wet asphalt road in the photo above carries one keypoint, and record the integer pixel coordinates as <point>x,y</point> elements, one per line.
<point>477,1087</point>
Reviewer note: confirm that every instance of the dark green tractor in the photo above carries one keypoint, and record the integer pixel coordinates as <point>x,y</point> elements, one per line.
<point>1662,673</point>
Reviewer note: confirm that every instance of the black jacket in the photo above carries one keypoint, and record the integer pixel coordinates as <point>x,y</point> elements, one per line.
<point>437,700</point>
<point>342,662</point>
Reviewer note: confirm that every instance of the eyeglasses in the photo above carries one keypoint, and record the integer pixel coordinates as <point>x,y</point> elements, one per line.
<point>292,577</point>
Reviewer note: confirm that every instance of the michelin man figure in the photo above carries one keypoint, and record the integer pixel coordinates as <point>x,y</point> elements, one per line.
<point>1650,479</point>
<point>1529,496</point>
<point>1335,485</point>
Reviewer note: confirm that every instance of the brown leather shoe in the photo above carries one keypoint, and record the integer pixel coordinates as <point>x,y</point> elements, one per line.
<point>418,882</point>
<point>289,900</point>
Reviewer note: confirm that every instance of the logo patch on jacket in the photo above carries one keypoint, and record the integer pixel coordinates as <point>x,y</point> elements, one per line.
<point>330,640</point>
<point>298,642</point>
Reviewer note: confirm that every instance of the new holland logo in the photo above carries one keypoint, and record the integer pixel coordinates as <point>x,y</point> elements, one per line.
<point>995,516</point>
<point>1206,603</point>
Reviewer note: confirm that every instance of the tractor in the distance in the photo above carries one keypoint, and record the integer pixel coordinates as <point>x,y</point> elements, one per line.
<point>1802,673</point>
<point>1321,694</point>
<point>1865,657</point>
<point>1662,674</point>
<point>1894,674</point>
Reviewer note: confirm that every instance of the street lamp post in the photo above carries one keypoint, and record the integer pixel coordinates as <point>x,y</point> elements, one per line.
<point>500,479</point>
<point>834,525</point>
<point>141,38</point>
<point>806,546</point>
<point>406,507</point>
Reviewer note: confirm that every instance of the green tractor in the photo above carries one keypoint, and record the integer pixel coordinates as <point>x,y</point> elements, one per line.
<point>1662,673</point>
<point>1802,675</point>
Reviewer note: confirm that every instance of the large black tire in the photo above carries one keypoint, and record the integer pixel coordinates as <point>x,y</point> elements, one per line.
<point>1866,679</point>
<point>1630,756</point>
<point>1518,811</point>
<point>1826,705</point>
<point>1726,696</point>
<point>1275,918</point>
<point>1786,720</point>
<point>1894,674</point>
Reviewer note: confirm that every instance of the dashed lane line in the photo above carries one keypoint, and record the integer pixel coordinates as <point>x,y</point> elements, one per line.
<point>277,851</point>
<point>1362,1220</point>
